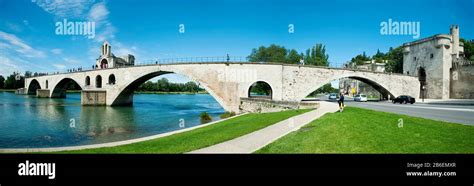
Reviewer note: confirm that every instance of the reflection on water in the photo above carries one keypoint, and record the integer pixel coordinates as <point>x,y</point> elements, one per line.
<point>34,122</point>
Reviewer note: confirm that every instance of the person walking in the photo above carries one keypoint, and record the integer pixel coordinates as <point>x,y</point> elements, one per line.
<point>228,58</point>
<point>341,102</point>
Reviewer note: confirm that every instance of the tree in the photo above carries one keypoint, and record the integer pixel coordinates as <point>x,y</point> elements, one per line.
<point>13,83</point>
<point>2,82</point>
<point>468,49</point>
<point>273,53</point>
<point>394,60</point>
<point>27,74</point>
<point>293,57</point>
<point>162,85</point>
<point>317,56</point>
<point>360,59</point>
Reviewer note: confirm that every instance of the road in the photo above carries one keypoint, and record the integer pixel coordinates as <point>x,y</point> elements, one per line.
<point>463,114</point>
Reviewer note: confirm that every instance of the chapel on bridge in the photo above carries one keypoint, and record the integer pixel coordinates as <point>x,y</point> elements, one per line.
<point>108,60</point>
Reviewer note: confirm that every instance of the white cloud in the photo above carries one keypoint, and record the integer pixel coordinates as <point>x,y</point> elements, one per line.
<point>8,66</point>
<point>19,45</point>
<point>98,12</point>
<point>71,61</point>
<point>65,8</point>
<point>104,29</point>
<point>59,66</point>
<point>57,51</point>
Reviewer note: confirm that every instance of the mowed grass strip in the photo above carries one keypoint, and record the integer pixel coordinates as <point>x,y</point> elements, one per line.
<point>201,137</point>
<point>359,130</point>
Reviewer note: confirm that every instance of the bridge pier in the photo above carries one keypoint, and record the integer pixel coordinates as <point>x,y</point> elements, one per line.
<point>42,93</point>
<point>94,97</point>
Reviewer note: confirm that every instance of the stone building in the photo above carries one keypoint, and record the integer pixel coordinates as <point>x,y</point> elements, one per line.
<point>431,59</point>
<point>108,60</point>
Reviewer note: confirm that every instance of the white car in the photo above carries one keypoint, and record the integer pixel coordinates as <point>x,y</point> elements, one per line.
<point>360,97</point>
<point>333,96</point>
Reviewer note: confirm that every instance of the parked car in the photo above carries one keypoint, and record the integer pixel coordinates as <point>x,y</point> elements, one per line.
<point>333,96</point>
<point>360,97</point>
<point>404,99</point>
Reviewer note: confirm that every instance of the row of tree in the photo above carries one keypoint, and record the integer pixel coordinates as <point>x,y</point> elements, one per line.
<point>163,85</point>
<point>393,59</point>
<point>13,81</point>
<point>315,55</point>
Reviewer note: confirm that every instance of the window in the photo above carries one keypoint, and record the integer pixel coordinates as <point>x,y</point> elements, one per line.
<point>88,81</point>
<point>98,81</point>
<point>112,79</point>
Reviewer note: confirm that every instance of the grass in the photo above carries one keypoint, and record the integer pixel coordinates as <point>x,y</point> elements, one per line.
<point>359,130</point>
<point>201,137</point>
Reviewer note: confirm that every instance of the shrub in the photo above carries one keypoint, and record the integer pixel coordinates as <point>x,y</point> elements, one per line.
<point>227,114</point>
<point>205,117</point>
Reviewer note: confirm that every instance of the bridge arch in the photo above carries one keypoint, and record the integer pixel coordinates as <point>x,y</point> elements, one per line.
<point>33,86</point>
<point>125,96</point>
<point>59,90</point>
<point>260,89</point>
<point>377,85</point>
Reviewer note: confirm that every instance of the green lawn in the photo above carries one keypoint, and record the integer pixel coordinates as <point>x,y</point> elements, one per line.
<point>201,137</point>
<point>359,130</point>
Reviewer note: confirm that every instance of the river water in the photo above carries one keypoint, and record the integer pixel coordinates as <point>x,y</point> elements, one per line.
<point>28,122</point>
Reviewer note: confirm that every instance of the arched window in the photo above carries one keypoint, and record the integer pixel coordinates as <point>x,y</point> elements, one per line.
<point>104,64</point>
<point>98,81</point>
<point>88,81</point>
<point>260,89</point>
<point>46,83</point>
<point>112,79</point>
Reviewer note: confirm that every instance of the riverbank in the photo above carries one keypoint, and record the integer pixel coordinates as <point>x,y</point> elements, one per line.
<point>201,137</point>
<point>7,90</point>
<point>359,130</point>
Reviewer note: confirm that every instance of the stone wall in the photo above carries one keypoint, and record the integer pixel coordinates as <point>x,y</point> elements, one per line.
<point>42,93</point>
<point>462,82</point>
<point>266,105</point>
<point>93,97</point>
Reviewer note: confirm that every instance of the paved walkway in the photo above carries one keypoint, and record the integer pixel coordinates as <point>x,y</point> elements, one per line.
<point>252,142</point>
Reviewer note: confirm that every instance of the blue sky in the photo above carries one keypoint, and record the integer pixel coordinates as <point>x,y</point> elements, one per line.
<point>150,29</point>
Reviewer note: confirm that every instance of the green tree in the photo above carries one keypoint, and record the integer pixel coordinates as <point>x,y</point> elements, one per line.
<point>28,74</point>
<point>163,85</point>
<point>2,82</point>
<point>395,60</point>
<point>468,49</point>
<point>293,57</point>
<point>360,59</point>
<point>317,56</point>
<point>13,83</point>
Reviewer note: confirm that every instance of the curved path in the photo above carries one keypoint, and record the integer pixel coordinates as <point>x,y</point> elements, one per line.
<point>252,142</point>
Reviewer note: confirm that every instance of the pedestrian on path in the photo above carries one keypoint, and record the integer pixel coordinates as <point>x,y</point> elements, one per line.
<point>341,102</point>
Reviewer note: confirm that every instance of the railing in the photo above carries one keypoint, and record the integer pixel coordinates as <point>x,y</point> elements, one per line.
<point>214,59</point>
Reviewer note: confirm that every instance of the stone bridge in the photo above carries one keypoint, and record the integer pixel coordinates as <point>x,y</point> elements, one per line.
<point>226,82</point>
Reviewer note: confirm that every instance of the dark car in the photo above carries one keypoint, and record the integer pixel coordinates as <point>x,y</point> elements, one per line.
<point>404,99</point>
